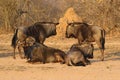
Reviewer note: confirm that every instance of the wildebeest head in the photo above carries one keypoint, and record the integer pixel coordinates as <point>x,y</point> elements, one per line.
<point>28,47</point>
<point>29,41</point>
<point>74,28</point>
<point>49,27</point>
<point>70,30</point>
<point>53,28</point>
<point>86,48</point>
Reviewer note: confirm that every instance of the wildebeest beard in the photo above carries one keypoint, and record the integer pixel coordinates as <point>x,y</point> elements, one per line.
<point>27,51</point>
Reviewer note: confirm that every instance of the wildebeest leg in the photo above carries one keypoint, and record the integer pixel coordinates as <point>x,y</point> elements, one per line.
<point>79,41</point>
<point>14,53</point>
<point>59,57</point>
<point>80,38</point>
<point>32,61</point>
<point>68,61</point>
<point>43,58</point>
<point>14,50</point>
<point>41,38</point>
<point>84,62</point>
<point>80,64</point>
<point>43,61</point>
<point>20,53</point>
<point>102,56</point>
<point>101,49</point>
<point>87,61</point>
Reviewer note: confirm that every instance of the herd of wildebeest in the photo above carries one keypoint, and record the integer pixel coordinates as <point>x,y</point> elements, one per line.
<point>31,40</point>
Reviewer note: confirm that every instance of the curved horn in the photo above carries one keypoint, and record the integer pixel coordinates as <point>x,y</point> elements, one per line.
<point>90,23</point>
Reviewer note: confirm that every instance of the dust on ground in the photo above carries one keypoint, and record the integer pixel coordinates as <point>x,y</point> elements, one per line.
<point>19,69</point>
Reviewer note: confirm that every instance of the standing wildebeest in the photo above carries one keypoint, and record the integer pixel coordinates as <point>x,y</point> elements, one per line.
<point>40,31</point>
<point>79,54</point>
<point>39,52</point>
<point>87,33</point>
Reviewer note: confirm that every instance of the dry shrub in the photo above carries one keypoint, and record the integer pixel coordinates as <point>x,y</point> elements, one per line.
<point>115,32</point>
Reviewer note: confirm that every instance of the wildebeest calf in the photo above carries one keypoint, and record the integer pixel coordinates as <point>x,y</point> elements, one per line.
<point>79,54</point>
<point>42,53</point>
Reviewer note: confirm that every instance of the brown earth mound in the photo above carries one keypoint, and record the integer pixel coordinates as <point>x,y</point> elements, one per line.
<point>69,16</point>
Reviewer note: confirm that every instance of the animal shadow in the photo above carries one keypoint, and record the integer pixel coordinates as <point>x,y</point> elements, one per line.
<point>110,56</point>
<point>5,55</point>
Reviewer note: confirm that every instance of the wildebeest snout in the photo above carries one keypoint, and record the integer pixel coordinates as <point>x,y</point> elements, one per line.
<point>54,32</point>
<point>66,35</point>
<point>90,56</point>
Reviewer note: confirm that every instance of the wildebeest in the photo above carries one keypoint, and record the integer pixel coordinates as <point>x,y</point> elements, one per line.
<point>40,31</point>
<point>79,54</point>
<point>87,33</point>
<point>39,52</point>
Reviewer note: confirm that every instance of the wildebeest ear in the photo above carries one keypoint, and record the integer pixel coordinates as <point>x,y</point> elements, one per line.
<point>92,45</point>
<point>71,24</point>
<point>68,22</point>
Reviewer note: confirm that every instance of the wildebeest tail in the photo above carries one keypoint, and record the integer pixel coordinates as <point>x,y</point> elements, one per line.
<point>103,39</point>
<point>14,39</point>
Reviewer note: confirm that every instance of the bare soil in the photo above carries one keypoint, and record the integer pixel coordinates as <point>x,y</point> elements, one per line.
<point>19,69</point>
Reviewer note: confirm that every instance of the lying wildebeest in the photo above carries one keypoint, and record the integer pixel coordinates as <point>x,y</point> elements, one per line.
<point>87,33</point>
<point>40,31</point>
<point>39,52</point>
<point>79,54</point>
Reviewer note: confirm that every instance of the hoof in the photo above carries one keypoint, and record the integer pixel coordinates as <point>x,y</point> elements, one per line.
<point>29,61</point>
<point>14,57</point>
<point>102,59</point>
<point>62,62</point>
<point>43,62</point>
<point>88,63</point>
<point>22,57</point>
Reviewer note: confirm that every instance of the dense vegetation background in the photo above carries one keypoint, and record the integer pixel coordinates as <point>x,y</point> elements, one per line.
<point>14,13</point>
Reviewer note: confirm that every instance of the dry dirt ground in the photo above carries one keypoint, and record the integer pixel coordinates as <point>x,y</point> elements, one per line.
<point>19,69</point>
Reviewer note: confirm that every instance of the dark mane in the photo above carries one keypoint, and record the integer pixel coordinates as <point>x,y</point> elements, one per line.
<point>34,30</point>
